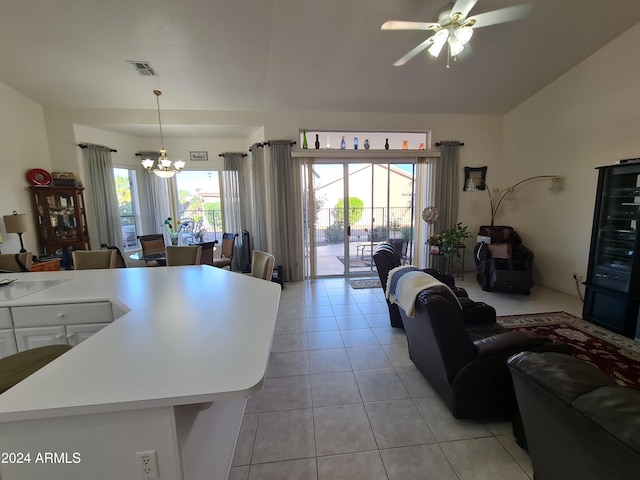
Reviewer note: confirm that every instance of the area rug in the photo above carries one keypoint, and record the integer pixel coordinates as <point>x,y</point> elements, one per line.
<point>617,355</point>
<point>365,283</point>
<point>357,262</point>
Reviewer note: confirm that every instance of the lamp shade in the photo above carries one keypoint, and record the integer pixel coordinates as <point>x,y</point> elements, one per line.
<point>16,223</point>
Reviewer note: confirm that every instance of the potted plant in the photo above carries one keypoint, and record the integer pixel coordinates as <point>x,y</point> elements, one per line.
<point>451,239</point>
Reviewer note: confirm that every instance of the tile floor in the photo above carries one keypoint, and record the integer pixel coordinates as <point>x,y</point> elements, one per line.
<point>342,399</point>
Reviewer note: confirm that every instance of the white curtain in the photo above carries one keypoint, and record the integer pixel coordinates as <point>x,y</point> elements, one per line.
<point>261,199</point>
<point>104,221</point>
<point>155,198</point>
<point>233,194</point>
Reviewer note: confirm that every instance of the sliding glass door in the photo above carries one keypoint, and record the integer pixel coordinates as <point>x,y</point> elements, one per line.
<point>358,205</point>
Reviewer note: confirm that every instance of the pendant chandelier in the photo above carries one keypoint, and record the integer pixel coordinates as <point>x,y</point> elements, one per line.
<point>165,168</point>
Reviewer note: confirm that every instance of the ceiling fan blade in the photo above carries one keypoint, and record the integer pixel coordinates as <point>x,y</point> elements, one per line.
<point>399,25</point>
<point>500,16</point>
<point>463,7</point>
<point>414,52</point>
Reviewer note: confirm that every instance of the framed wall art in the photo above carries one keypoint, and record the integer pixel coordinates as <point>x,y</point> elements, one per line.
<point>474,178</point>
<point>199,156</point>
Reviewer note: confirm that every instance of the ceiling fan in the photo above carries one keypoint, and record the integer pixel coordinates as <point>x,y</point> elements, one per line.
<point>454,28</point>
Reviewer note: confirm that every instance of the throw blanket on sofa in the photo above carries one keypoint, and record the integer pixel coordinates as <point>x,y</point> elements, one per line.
<point>405,283</point>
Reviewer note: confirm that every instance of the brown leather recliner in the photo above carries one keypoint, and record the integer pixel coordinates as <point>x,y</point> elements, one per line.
<point>465,364</point>
<point>386,258</point>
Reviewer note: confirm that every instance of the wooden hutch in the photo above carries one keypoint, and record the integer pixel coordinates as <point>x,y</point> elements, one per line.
<point>61,220</point>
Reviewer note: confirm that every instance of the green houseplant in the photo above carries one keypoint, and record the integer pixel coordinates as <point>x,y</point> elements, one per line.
<point>451,238</point>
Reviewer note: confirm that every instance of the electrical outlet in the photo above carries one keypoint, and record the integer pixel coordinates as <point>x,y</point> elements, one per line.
<point>147,463</point>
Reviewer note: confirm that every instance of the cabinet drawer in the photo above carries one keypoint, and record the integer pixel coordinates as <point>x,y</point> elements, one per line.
<point>63,314</point>
<point>5,318</point>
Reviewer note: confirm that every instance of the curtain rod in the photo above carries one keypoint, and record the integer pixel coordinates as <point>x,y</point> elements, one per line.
<point>84,145</point>
<point>440,143</point>
<point>223,154</point>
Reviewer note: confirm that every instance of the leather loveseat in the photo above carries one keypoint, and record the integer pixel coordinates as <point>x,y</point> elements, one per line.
<point>578,422</point>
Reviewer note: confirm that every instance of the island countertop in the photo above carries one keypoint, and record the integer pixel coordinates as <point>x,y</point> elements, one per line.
<point>182,335</point>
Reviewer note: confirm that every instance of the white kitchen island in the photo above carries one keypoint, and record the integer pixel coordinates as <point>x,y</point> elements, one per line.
<point>171,375</point>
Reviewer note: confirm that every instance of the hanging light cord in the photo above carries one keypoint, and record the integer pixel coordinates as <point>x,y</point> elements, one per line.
<point>157,94</point>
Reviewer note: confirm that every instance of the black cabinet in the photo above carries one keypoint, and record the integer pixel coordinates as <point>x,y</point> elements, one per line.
<point>612,295</point>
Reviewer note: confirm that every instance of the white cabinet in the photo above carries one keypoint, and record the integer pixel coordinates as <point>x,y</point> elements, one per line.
<point>7,343</point>
<point>34,337</point>
<point>79,333</point>
<point>39,325</point>
<point>5,318</point>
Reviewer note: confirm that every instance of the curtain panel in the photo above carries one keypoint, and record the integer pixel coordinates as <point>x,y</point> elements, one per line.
<point>447,188</point>
<point>287,209</point>
<point>104,222</point>
<point>260,182</point>
<point>233,193</point>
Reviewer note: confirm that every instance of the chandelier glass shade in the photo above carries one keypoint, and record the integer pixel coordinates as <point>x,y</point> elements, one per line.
<point>165,167</point>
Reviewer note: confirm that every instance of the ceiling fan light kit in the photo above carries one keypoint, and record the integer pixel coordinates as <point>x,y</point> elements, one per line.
<point>453,28</point>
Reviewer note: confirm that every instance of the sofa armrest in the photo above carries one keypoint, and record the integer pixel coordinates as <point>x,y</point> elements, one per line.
<point>509,342</point>
<point>476,312</point>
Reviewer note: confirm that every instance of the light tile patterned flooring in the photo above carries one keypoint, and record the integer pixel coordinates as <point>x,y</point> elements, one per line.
<point>342,399</point>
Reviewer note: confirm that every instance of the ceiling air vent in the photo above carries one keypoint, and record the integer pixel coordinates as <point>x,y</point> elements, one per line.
<point>142,67</point>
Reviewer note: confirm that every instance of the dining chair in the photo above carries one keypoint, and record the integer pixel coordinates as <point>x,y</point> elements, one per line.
<point>226,255</point>
<point>262,265</point>
<point>153,249</point>
<point>207,252</point>
<point>183,255</point>
<point>16,262</point>
<point>120,262</point>
<point>93,259</point>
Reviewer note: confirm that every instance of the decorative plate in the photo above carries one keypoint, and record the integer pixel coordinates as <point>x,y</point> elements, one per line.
<point>38,176</point>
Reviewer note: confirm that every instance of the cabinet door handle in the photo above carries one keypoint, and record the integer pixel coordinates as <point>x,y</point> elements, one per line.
<point>69,336</point>
<point>59,337</point>
<point>60,315</point>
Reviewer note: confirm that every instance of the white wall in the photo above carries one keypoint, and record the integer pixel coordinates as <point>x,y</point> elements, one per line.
<point>588,117</point>
<point>23,140</point>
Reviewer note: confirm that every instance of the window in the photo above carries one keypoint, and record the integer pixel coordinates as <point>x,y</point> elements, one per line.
<point>199,200</point>
<point>128,206</point>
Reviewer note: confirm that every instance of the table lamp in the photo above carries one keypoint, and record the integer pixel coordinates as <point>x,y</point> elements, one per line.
<point>16,223</point>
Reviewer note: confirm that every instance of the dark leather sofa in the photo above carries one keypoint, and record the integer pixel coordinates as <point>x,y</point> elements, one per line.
<point>578,422</point>
<point>386,258</point>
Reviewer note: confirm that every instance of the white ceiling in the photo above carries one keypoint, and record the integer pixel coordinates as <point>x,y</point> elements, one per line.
<point>289,54</point>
